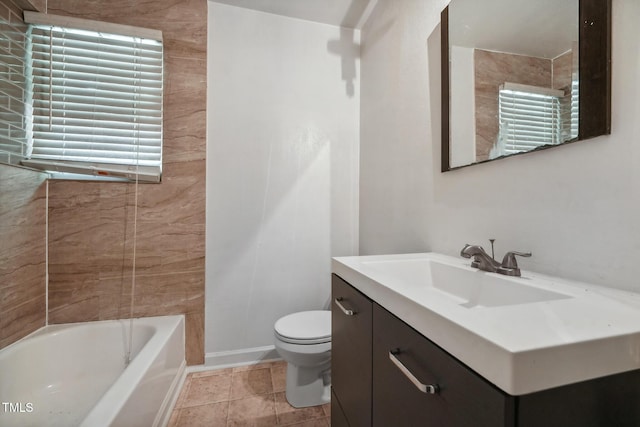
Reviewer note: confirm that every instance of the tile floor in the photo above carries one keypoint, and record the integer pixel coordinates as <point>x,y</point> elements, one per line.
<point>243,396</point>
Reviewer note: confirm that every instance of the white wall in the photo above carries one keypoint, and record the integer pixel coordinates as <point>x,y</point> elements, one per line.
<point>576,207</point>
<point>395,142</point>
<point>282,171</point>
<point>462,131</point>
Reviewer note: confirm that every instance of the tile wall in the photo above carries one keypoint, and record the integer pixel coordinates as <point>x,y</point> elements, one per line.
<point>22,252</point>
<point>13,136</point>
<point>495,68</point>
<point>491,70</point>
<point>23,230</point>
<point>91,224</point>
<point>563,68</point>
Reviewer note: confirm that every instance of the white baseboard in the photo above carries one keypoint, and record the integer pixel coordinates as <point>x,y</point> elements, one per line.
<point>245,356</point>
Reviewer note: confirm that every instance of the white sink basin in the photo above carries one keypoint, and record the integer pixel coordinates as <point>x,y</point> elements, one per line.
<point>467,287</point>
<point>523,334</point>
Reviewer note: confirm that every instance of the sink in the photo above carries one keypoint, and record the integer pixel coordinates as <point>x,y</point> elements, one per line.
<point>523,334</point>
<point>467,287</point>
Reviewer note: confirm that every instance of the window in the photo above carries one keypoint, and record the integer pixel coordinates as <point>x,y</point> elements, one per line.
<point>97,98</point>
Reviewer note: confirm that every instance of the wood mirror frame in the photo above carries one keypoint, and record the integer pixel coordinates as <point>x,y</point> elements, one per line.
<point>594,47</point>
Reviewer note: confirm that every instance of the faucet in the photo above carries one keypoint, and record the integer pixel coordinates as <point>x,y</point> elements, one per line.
<point>485,262</point>
<point>481,259</point>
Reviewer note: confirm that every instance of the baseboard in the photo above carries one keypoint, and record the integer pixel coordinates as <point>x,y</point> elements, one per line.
<point>246,356</point>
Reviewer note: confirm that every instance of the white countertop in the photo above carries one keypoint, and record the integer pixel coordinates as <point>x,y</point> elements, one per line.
<point>521,348</point>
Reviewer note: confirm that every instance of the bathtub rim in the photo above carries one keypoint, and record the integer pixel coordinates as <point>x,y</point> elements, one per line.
<point>119,394</point>
<point>139,366</point>
<point>52,328</point>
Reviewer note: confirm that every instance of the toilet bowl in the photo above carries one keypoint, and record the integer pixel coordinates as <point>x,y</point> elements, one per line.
<point>303,340</point>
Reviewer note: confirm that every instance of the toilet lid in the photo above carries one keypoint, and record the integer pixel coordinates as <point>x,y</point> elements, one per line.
<point>305,325</point>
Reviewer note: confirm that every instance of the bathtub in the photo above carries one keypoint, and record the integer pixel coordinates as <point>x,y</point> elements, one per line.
<point>75,374</point>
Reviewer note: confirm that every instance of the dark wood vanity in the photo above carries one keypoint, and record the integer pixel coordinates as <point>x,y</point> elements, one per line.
<point>370,389</point>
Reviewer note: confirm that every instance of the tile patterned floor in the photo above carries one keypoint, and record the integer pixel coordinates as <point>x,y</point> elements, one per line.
<point>243,396</point>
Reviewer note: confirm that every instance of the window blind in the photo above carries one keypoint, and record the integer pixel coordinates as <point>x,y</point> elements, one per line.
<point>529,117</point>
<point>569,113</point>
<point>97,102</point>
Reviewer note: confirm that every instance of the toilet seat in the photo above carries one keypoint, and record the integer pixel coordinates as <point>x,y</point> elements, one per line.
<point>303,341</point>
<point>307,327</point>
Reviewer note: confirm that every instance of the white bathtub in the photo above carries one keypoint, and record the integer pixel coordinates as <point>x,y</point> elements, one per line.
<point>75,375</point>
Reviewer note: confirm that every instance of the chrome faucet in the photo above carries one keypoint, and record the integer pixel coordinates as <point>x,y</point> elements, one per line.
<point>485,262</point>
<point>481,259</point>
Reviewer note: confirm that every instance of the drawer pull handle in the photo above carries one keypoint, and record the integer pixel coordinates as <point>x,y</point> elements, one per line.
<point>344,310</point>
<point>425,388</point>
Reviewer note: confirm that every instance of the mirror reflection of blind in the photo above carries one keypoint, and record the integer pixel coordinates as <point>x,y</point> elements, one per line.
<point>569,113</point>
<point>14,92</point>
<point>529,117</point>
<point>97,102</point>
<point>575,108</point>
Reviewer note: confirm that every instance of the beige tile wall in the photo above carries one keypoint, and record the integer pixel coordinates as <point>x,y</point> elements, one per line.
<point>563,71</point>
<point>491,70</point>
<point>22,252</point>
<point>20,5</point>
<point>12,83</point>
<point>22,230</point>
<point>91,224</point>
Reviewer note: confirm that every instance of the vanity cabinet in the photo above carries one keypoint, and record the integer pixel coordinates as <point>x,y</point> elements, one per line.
<point>370,388</point>
<point>613,400</point>
<point>459,398</point>
<point>351,330</point>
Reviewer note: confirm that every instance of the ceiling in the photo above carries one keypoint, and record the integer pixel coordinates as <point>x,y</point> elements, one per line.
<point>343,13</point>
<point>540,28</point>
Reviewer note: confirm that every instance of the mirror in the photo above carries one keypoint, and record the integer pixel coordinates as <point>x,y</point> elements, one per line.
<point>521,76</point>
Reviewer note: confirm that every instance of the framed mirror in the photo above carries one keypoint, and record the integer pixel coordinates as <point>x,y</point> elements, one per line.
<point>521,76</point>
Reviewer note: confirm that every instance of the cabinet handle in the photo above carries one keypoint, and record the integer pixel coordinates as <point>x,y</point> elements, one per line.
<point>425,388</point>
<point>344,310</point>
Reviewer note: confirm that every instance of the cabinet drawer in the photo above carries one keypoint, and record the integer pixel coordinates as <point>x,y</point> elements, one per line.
<point>463,398</point>
<point>351,351</point>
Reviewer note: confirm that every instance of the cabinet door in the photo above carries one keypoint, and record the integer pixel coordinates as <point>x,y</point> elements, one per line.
<point>351,314</point>
<point>602,402</point>
<point>338,418</point>
<point>462,399</point>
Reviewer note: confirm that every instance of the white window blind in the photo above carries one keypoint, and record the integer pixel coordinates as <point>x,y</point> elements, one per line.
<point>529,117</point>
<point>97,102</point>
<point>571,111</point>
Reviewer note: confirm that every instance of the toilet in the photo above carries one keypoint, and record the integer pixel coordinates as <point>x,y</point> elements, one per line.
<point>303,340</point>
